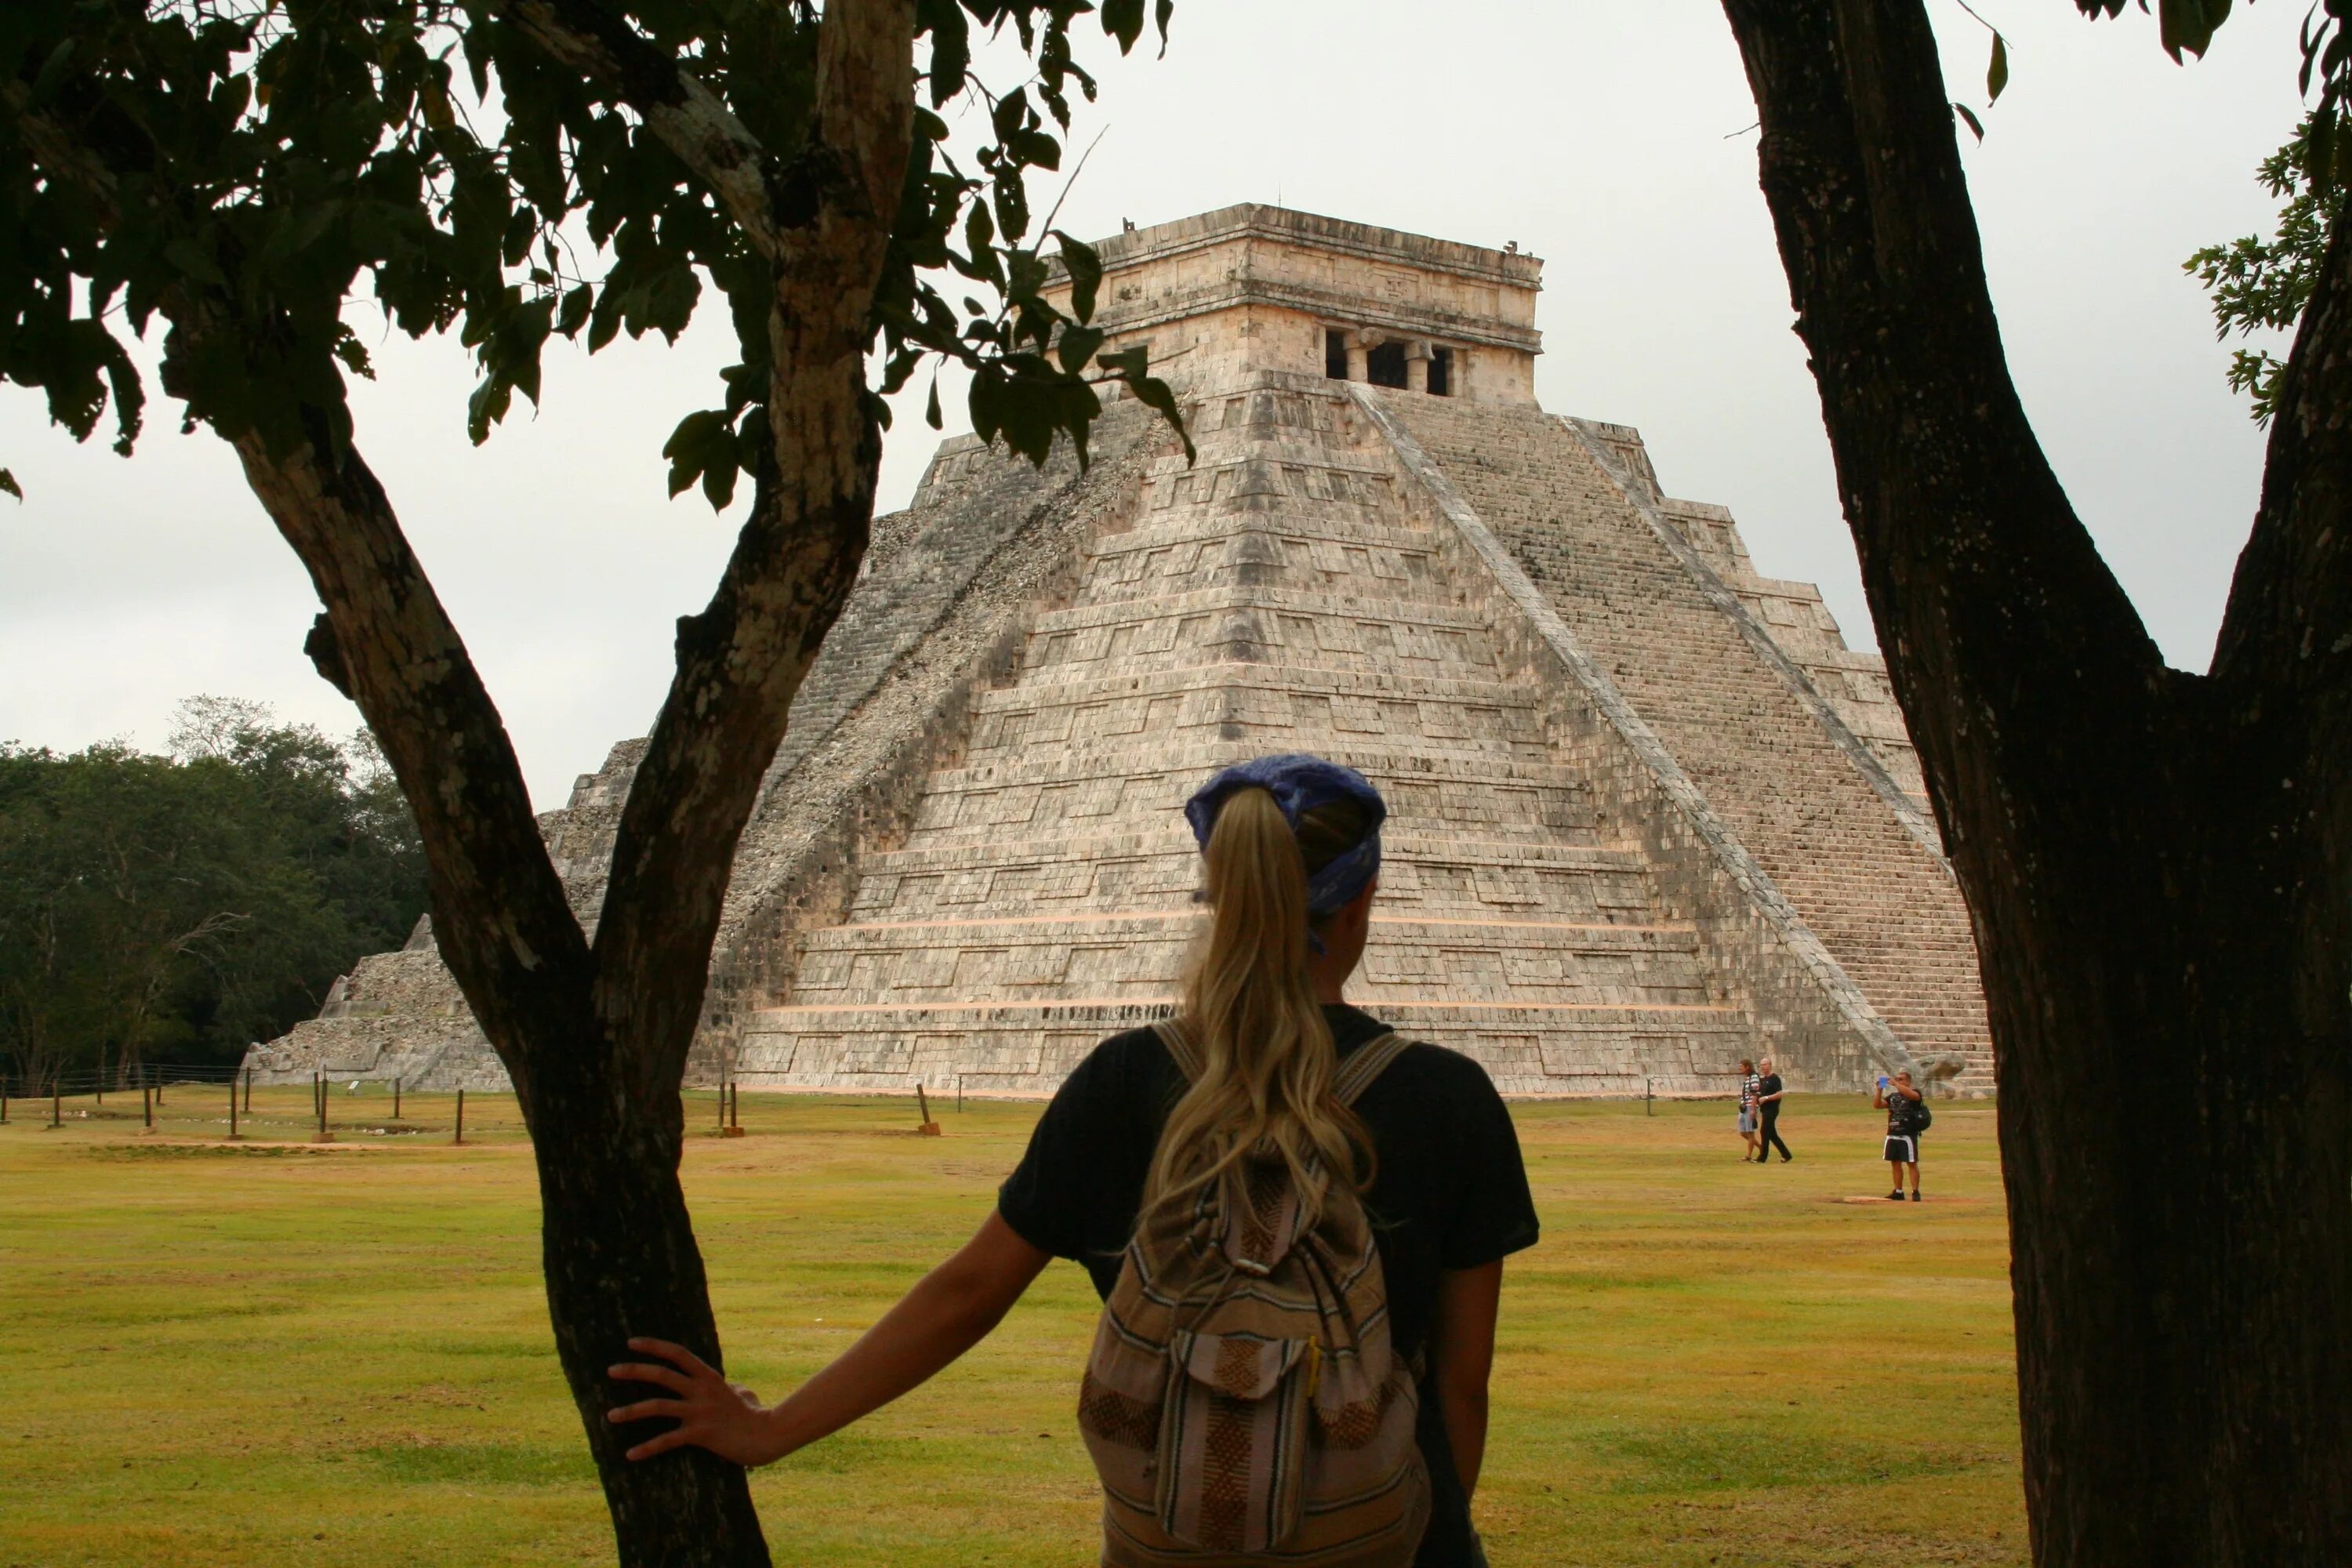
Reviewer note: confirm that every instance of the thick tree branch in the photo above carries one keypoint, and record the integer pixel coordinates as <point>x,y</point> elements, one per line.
<point>1976,568</point>
<point>692,121</point>
<point>499,912</point>
<point>59,155</point>
<point>2289,625</point>
<point>740,662</point>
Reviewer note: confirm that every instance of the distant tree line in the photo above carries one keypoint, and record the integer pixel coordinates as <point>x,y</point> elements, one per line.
<point>176,908</point>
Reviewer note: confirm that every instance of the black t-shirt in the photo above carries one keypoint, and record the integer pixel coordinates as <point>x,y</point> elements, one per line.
<point>1770,1085</point>
<point>1901,1114</point>
<point>1449,1192</point>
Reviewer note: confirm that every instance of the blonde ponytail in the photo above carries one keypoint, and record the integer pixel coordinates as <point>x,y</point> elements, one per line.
<point>1266,1053</point>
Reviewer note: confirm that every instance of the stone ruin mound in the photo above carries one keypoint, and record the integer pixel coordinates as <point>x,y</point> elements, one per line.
<point>1649,814</point>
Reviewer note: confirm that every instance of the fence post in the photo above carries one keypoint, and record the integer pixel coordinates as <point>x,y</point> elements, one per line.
<point>232,1110</point>
<point>4,1098</point>
<point>147,1105</point>
<point>56,1102</point>
<point>460,1136</point>
<point>248,1091</point>
<point>322,1135</point>
<point>395,1099</point>
<point>1649,1097</point>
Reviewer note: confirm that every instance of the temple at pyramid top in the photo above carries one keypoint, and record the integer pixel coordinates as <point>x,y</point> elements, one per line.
<point>1648,813</point>
<point>1263,287</point>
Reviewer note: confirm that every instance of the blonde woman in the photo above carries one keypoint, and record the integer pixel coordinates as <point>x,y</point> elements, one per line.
<point>1291,859</point>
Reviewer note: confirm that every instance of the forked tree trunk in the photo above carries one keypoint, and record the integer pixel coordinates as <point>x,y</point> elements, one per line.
<point>620,1257</point>
<point>2156,862</point>
<point>596,1039</point>
<point>618,1247</point>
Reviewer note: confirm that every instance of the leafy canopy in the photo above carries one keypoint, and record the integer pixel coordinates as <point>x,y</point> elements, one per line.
<point>2186,27</point>
<point>279,166</point>
<point>2259,283</point>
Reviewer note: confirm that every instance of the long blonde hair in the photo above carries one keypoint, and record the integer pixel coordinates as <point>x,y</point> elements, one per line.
<point>1267,1054</point>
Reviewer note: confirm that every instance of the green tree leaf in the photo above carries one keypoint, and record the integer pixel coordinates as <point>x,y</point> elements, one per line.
<point>1076,346</point>
<point>1085,270</point>
<point>2260,284</point>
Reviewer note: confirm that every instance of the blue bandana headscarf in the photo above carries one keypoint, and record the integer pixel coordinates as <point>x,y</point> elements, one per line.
<point>1299,783</point>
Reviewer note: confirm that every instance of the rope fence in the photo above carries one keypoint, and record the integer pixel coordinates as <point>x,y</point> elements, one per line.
<point>332,1106</point>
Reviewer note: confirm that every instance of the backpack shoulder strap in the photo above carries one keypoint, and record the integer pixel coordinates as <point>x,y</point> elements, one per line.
<point>1365,1064</point>
<point>1172,1034</point>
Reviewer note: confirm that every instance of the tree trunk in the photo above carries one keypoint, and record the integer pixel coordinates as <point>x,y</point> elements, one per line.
<point>596,1040</point>
<point>619,1248</point>
<point>621,1260</point>
<point>2154,861</point>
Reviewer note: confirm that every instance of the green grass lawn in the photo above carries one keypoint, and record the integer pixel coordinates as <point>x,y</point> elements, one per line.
<point>268,1353</point>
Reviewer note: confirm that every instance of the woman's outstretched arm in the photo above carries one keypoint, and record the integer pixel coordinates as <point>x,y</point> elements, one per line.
<point>1464,1354</point>
<point>950,1310</point>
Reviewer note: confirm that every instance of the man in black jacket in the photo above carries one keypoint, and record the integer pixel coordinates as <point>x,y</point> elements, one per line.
<point>1767,1103</point>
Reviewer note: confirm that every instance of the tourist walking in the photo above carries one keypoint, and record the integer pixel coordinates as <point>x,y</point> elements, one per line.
<point>1750,1087</point>
<point>1386,1170</point>
<point>1767,1107</point>
<point>1908,1117</point>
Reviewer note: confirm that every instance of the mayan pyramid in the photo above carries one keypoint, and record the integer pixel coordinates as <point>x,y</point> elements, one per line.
<point>1649,814</point>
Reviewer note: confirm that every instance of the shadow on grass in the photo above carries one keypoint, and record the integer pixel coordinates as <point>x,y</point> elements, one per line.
<point>1702,1459</point>
<point>481,1464</point>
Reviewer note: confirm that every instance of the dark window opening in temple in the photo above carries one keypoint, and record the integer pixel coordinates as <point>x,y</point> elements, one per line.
<point>1384,366</point>
<point>1441,373</point>
<point>1334,353</point>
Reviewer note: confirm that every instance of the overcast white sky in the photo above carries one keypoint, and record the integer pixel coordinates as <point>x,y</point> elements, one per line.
<point>1603,135</point>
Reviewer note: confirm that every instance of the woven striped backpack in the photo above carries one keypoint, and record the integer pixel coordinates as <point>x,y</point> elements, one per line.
<point>1243,1403</point>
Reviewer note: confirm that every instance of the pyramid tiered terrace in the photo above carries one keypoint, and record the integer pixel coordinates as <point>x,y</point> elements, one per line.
<point>1649,814</point>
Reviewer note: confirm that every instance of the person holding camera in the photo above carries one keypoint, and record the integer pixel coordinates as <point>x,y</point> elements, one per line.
<point>1906,1117</point>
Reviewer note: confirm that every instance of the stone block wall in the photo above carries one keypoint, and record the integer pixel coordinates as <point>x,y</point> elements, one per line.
<point>936,609</point>
<point>1857,866</point>
<point>1802,1009</point>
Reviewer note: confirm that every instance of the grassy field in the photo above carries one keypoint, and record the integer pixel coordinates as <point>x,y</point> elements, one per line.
<point>270,1352</point>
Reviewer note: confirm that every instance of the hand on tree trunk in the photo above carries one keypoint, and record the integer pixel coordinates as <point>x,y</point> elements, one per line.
<point>711,1412</point>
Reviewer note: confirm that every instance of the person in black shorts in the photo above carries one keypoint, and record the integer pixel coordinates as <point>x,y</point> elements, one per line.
<point>1768,1090</point>
<point>1447,1193</point>
<point>1901,1102</point>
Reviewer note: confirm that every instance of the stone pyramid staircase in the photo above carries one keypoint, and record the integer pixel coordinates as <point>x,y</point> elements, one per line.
<point>1278,595</point>
<point>1650,812</point>
<point>1856,861</point>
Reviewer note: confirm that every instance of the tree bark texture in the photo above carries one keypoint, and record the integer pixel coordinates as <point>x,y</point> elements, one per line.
<point>2156,862</point>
